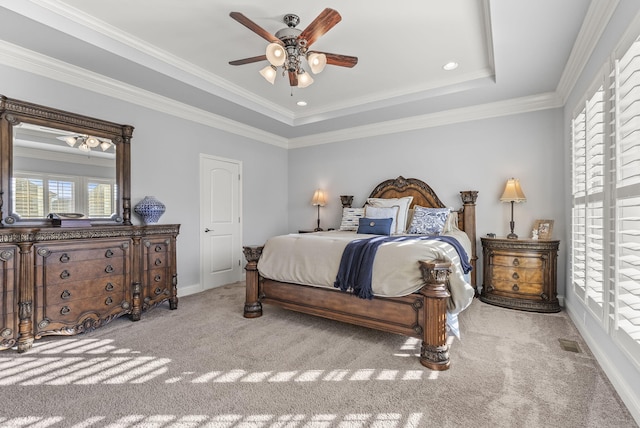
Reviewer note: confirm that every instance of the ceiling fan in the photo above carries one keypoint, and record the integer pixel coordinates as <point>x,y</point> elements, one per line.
<point>290,45</point>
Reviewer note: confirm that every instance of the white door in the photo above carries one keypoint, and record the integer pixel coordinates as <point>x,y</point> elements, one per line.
<point>220,221</point>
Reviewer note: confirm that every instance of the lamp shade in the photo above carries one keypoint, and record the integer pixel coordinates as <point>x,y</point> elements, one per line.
<point>269,73</point>
<point>513,192</point>
<point>317,61</point>
<point>276,54</point>
<point>319,198</point>
<point>304,80</point>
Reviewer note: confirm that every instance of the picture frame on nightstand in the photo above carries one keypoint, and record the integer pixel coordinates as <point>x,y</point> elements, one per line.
<point>544,228</point>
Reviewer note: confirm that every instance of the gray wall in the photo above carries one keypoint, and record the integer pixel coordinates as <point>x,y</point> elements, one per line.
<point>478,155</point>
<point>165,160</point>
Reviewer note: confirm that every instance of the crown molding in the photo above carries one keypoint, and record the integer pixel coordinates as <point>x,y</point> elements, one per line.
<point>32,62</point>
<point>593,26</point>
<point>544,101</point>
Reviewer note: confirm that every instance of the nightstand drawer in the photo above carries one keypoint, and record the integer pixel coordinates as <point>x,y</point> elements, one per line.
<point>517,275</point>
<point>517,261</point>
<point>529,288</point>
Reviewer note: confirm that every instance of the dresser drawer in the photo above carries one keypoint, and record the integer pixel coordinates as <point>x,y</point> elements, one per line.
<point>82,252</point>
<point>61,293</point>
<point>87,269</point>
<point>518,288</point>
<point>86,312</point>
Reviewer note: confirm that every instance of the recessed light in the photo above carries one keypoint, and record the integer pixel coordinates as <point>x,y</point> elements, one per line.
<point>450,66</point>
<point>302,103</point>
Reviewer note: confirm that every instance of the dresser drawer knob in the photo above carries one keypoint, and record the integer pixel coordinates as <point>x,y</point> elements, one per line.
<point>109,269</point>
<point>108,301</point>
<point>65,294</point>
<point>158,248</point>
<point>515,287</point>
<point>157,278</point>
<point>158,291</point>
<point>515,275</point>
<point>64,258</point>
<point>65,310</point>
<point>109,286</point>
<point>108,254</point>
<point>158,262</point>
<point>65,274</point>
<point>516,262</point>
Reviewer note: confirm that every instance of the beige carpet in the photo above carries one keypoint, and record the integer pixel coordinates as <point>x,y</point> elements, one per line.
<point>204,365</point>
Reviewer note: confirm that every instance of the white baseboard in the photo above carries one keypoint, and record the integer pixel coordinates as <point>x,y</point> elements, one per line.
<point>614,374</point>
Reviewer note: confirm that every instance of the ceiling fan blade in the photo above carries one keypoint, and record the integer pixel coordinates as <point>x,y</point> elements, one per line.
<point>324,22</point>
<point>254,27</point>
<point>293,78</point>
<point>339,60</point>
<point>249,60</point>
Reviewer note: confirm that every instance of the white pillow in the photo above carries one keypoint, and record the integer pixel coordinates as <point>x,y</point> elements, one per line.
<point>383,212</point>
<point>350,218</point>
<point>403,210</point>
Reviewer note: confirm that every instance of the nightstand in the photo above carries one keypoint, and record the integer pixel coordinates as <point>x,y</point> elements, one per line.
<point>520,274</point>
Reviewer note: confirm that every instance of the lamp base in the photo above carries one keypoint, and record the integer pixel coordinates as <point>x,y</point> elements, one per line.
<point>512,236</point>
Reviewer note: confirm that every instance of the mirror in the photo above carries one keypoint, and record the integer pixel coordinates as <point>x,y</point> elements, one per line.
<point>59,165</point>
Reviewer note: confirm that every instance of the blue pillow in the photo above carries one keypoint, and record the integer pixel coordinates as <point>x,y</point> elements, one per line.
<point>375,226</point>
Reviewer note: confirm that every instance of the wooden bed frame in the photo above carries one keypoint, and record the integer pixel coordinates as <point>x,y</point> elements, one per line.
<point>421,314</point>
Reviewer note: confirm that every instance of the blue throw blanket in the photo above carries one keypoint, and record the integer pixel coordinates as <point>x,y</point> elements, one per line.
<point>356,265</point>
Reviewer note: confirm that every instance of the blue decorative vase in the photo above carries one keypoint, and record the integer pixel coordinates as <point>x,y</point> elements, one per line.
<point>150,209</point>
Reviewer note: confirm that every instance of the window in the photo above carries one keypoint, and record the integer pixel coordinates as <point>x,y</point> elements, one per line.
<point>35,195</point>
<point>605,254</point>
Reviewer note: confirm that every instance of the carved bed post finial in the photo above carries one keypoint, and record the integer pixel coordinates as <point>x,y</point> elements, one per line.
<point>252,306</point>
<point>346,201</point>
<point>434,352</point>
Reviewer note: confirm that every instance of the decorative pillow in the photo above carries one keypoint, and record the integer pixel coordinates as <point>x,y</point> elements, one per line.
<point>428,221</point>
<point>350,218</point>
<point>375,226</point>
<point>383,212</point>
<point>403,210</point>
<point>452,221</point>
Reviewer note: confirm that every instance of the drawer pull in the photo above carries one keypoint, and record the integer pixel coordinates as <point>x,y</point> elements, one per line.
<point>109,269</point>
<point>65,310</point>
<point>158,248</point>
<point>64,258</point>
<point>515,287</point>
<point>108,254</point>
<point>109,286</point>
<point>108,301</point>
<point>516,262</point>
<point>65,294</point>
<point>65,274</point>
<point>158,291</point>
<point>158,262</point>
<point>515,275</point>
<point>157,278</point>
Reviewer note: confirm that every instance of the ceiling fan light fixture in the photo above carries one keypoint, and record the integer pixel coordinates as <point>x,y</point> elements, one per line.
<point>84,147</point>
<point>105,145</point>
<point>70,140</point>
<point>276,55</point>
<point>304,79</point>
<point>317,62</point>
<point>269,73</point>
<point>92,142</point>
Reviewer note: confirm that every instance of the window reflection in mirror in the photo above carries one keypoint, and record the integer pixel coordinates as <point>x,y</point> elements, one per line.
<point>54,175</point>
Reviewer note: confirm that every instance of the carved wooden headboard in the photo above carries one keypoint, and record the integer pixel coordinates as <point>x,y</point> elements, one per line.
<point>424,196</point>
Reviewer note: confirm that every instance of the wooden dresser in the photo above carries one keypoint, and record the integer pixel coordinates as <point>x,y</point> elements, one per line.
<point>64,281</point>
<point>520,274</point>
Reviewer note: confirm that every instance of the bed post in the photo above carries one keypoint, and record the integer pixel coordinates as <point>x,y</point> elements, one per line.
<point>252,306</point>
<point>469,217</point>
<point>434,353</point>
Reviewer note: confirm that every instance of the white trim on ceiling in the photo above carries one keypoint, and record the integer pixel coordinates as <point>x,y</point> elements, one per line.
<point>597,18</point>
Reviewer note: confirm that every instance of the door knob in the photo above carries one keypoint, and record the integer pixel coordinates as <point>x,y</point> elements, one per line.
<point>208,230</point>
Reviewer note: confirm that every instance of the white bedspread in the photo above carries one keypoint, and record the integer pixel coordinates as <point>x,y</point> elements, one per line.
<point>314,259</point>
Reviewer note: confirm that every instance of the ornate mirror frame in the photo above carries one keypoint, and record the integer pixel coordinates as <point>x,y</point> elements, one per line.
<point>14,112</point>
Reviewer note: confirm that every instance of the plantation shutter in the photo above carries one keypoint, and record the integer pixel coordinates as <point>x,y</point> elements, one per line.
<point>626,188</point>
